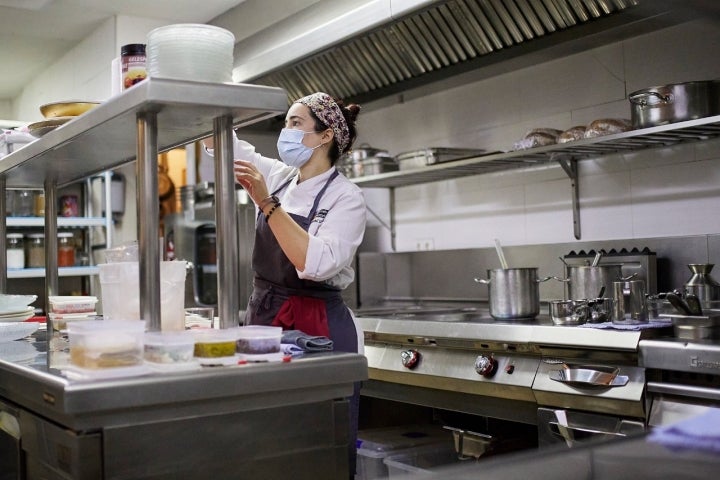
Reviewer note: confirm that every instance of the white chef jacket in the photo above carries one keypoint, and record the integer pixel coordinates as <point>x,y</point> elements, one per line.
<point>335,233</point>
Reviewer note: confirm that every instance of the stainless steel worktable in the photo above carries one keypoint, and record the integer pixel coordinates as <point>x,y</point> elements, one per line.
<point>258,420</point>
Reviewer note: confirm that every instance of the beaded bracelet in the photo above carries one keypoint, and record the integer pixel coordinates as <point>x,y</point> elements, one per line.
<point>267,217</point>
<point>267,201</point>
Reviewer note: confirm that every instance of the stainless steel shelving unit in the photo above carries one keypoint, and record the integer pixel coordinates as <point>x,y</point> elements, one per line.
<point>567,155</point>
<point>153,116</point>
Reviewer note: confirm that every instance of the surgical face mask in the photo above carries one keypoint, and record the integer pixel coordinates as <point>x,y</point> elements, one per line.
<point>291,149</point>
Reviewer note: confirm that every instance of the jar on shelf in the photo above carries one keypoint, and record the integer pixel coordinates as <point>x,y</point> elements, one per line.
<point>35,250</point>
<point>66,249</point>
<point>15,250</point>
<point>24,203</point>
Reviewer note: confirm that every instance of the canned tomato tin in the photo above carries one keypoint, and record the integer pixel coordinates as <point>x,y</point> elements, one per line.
<point>69,206</point>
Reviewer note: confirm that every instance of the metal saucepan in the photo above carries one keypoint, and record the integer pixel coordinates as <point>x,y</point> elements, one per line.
<point>514,293</point>
<point>674,103</point>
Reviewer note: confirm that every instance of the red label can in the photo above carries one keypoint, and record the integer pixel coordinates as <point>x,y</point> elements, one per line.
<point>69,206</point>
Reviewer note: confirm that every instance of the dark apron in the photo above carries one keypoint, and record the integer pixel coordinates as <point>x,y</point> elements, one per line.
<point>276,280</point>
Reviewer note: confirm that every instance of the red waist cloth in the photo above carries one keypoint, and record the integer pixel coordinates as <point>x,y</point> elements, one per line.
<point>306,314</point>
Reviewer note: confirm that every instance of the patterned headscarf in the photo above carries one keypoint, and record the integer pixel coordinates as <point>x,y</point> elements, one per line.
<point>328,111</point>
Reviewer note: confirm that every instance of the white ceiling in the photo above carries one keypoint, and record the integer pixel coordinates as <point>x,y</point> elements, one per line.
<point>34,33</point>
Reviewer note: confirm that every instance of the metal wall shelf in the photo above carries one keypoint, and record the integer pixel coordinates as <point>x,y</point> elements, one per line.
<point>653,137</point>
<point>153,116</point>
<point>62,272</point>
<point>63,222</point>
<point>566,155</point>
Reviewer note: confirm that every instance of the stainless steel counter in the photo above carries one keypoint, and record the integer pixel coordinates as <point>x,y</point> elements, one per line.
<point>260,418</point>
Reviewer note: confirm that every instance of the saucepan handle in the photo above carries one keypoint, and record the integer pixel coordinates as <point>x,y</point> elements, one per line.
<point>483,281</point>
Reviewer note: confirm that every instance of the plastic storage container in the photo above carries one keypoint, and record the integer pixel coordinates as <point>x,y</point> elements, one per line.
<point>215,347</point>
<point>375,445</point>
<point>258,339</point>
<point>169,347</point>
<point>120,292</point>
<point>419,462</point>
<point>72,304</point>
<point>106,343</point>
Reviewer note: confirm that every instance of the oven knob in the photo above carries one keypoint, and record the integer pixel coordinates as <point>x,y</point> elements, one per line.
<point>410,358</point>
<point>486,366</point>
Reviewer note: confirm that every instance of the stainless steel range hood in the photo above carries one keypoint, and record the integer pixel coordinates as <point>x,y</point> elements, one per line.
<point>364,51</point>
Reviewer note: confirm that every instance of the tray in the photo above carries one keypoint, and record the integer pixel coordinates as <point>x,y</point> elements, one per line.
<point>430,156</point>
<point>589,376</point>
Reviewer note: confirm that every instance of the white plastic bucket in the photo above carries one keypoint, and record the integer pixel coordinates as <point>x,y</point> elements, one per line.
<point>120,289</point>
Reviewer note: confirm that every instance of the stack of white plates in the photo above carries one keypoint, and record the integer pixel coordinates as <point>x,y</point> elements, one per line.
<point>194,52</point>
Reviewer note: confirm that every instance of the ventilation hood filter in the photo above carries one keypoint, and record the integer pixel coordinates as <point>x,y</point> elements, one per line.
<point>445,38</point>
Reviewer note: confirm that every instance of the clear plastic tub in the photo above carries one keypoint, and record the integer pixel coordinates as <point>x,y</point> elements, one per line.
<point>169,347</point>
<point>106,343</point>
<point>258,339</point>
<point>59,321</point>
<point>419,462</point>
<point>213,346</point>
<point>375,445</point>
<point>72,304</point>
<point>120,292</point>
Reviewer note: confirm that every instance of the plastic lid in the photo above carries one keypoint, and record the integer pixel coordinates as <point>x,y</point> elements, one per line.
<point>36,235</point>
<point>14,235</point>
<point>65,235</point>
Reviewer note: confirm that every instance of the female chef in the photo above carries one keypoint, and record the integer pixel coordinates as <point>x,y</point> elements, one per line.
<point>311,220</point>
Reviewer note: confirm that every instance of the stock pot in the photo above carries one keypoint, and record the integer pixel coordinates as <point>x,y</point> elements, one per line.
<point>586,281</point>
<point>514,293</point>
<point>675,102</point>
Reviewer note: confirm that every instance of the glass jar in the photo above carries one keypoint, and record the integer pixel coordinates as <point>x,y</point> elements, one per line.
<point>24,203</point>
<point>36,250</point>
<point>66,249</point>
<point>132,61</point>
<point>15,250</point>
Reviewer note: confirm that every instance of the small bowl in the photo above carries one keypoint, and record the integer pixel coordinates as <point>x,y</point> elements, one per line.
<point>66,109</point>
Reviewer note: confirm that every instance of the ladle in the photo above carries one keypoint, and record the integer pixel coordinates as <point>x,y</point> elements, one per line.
<point>501,255</point>
<point>597,258</point>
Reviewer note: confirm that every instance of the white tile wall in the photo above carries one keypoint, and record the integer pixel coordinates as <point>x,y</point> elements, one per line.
<point>652,193</point>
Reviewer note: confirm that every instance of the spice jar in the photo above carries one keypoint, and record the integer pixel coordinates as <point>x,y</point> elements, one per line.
<point>66,249</point>
<point>132,60</point>
<point>15,250</point>
<point>36,250</point>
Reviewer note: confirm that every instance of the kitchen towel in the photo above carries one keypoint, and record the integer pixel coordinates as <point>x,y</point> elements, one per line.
<point>291,349</point>
<point>308,343</point>
<point>655,323</point>
<point>701,432</point>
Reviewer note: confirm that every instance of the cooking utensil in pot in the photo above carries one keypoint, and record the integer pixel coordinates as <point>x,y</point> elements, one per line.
<point>693,303</point>
<point>674,103</point>
<point>501,255</point>
<point>596,260</point>
<point>514,293</point>
<point>678,303</point>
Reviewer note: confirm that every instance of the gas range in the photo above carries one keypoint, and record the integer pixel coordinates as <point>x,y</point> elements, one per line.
<point>460,356</point>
